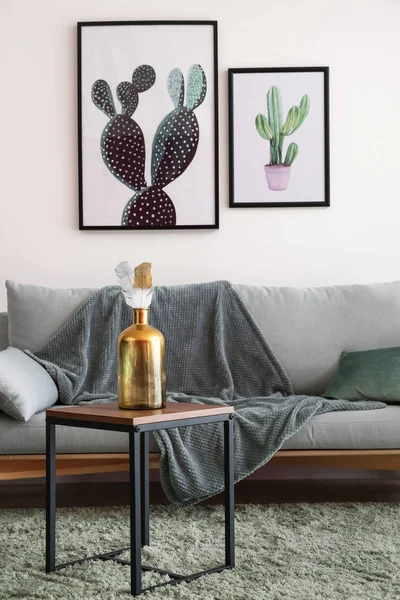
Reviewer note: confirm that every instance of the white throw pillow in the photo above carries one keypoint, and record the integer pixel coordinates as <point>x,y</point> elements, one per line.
<point>25,386</point>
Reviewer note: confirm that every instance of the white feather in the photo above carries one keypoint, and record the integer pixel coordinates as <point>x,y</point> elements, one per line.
<point>136,297</point>
<point>125,274</point>
<point>141,297</point>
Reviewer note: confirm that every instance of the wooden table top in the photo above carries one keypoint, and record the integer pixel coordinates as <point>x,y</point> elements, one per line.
<point>110,413</point>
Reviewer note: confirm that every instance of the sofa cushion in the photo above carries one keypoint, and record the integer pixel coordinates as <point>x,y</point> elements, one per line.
<point>18,437</point>
<point>342,430</point>
<point>308,328</point>
<point>3,331</point>
<point>36,313</point>
<point>25,387</point>
<point>367,375</point>
<point>350,430</point>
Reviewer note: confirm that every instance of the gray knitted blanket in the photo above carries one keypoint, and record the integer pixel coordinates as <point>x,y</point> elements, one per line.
<point>215,354</point>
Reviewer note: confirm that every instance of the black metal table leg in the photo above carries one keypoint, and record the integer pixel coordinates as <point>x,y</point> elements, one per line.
<point>50,497</point>
<point>229,494</point>
<point>135,512</point>
<point>144,491</point>
<point>139,497</point>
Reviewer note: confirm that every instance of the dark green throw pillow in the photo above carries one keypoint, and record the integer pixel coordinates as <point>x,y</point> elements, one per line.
<point>367,375</point>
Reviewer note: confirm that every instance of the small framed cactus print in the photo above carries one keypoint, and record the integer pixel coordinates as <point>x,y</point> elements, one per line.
<point>279,137</point>
<point>148,125</point>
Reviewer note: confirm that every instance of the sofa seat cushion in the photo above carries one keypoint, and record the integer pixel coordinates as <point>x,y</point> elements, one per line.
<point>350,430</point>
<point>342,430</point>
<point>19,437</point>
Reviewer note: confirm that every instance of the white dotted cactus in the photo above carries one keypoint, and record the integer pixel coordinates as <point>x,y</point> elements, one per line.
<point>149,208</point>
<point>122,140</point>
<point>177,136</point>
<point>174,147</point>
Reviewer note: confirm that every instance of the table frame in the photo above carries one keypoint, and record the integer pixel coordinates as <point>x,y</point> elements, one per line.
<point>139,496</point>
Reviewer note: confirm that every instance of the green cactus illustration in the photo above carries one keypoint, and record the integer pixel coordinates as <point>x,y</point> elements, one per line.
<point>271,128</point>
<point>291,154</point>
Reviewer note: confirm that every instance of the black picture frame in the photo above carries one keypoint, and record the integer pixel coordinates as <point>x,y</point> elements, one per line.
<point>232,72</point>
<point>210,23</point>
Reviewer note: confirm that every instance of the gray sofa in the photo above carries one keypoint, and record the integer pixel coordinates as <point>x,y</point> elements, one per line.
<point>307,328</point>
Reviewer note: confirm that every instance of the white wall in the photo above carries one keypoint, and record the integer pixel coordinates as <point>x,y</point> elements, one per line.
<point>356,240</point>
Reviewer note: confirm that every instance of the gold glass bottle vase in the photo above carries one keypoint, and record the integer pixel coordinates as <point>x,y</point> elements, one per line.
<point>141,365</point>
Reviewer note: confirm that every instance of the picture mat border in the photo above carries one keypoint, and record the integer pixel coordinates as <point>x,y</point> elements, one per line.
<point>80,25</point>
<point>234,71</point>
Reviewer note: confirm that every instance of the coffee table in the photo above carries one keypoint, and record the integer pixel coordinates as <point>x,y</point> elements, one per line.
<point>138,424</point>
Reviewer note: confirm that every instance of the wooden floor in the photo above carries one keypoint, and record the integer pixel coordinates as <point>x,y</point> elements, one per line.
<point>31,494</point>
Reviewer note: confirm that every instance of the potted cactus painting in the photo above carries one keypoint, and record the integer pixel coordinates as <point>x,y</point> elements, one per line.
<point>148,125</point>
<point>272,129</point>
<point>278,137</point>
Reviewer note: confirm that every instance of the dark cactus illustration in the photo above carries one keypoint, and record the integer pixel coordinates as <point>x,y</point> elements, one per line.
<point>150,208</point>
<point>177,136</point>
<point>122,141</point>
<point>174,145</point>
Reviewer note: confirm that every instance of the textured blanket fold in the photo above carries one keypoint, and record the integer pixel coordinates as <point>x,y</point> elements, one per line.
<point>215,354</point>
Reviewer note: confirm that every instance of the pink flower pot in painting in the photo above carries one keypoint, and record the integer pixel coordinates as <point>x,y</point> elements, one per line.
<point>277,177</point>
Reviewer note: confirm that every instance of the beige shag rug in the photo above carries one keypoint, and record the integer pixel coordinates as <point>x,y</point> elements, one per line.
<point>285,552</point>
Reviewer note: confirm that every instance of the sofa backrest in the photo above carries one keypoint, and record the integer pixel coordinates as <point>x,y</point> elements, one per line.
<point>308,328</point>
<point>3,331</point>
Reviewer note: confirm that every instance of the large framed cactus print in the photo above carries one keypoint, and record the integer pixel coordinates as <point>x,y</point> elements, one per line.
<point>148,125</point>
<point>279,137</point>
